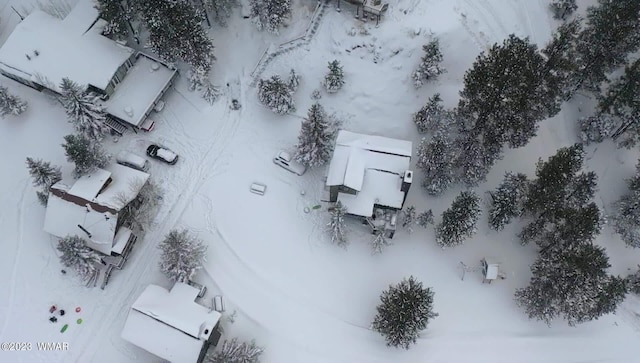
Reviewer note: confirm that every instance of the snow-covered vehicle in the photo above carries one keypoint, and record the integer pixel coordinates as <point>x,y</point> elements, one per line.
<point>162,153</point>
<point>285,160</point>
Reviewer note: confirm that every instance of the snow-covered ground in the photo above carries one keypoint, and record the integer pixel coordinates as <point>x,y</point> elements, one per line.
<point>301,298</point>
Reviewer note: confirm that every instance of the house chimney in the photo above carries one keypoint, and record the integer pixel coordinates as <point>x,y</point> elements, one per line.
<point>406,184</point>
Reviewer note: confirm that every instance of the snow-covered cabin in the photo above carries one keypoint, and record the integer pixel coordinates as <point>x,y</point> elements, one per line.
<point>370,176</point>
<point>90,208</point>
<point>42,50</point>
<point>171,325</point>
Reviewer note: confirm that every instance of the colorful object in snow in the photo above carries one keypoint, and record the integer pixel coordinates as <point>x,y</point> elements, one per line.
<point>52,309</point>
<point>53,319</point>
<point>62,312</point>
<point>78,309</point>
<point>64,328</point>
<point>79,321</point>
<point>317,206</point>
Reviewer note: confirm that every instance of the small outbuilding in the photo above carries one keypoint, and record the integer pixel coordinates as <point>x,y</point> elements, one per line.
<point>490,269</point>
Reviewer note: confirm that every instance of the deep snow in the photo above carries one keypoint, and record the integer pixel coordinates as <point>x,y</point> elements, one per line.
<point>301,298</point>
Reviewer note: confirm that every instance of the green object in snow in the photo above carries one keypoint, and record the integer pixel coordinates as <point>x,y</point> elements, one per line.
<point>64,328</point>
<point>79,321</point>
<point>317,206</point>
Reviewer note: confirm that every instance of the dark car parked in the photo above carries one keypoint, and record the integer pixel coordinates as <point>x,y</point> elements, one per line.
<point>162,153</point>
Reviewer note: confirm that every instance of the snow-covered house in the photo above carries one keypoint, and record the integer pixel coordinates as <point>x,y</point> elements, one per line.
<point>91,208</point>
<point>171,325</point>
<point>42,50</point>
<point>370,176</point>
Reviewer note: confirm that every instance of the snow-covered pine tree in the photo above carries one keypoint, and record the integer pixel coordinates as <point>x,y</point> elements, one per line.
<point>409,218</point>
<point>379,241</point>
<point>234,351</point>
<point>626,216</point>
<point>507,200</point>
<point>221,8</point>
<point>117,15</point>
<point>78,256</point>
<point>459,221</point>
<point>316,95</point>
<point>473,160</point>
<point>601,49</point>
<point>294,80</point>
<point>276,95</point>
<point>622,101</point>
<point>432,116</point>
<point>270,15</point>
<point>429,67</point>
<point>435,159</point>
<point>562,61</point>
<point>425,219</point>
<point>334,80</point>
<point>337,226</point>
<point>210,93</point>
<point>404,311</point>
<point>43,173</point>
<point>83,109</point>
<point>596,128</point>
<point>562,9</point>
<point>571,283</point>
<point>315,139</point>
<point>87,155</point>
<point>182,255</point>
<point>633,282</point>
<point>10,104</point>
<point>43,197</point>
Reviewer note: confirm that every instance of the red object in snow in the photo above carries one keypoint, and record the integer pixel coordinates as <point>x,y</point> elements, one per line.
<point>78,309</point>
<point>52,308</point>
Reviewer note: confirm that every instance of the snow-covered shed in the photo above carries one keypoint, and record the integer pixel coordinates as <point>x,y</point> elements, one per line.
<point>369,172</point>
<point>42,50</point>
<point>171,325</point>
<point>90,208</point>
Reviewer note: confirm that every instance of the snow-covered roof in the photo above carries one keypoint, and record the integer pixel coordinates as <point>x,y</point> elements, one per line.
<point>380,188</point>
<point>124,187</point>
<point>170,324</point>
<point>88,186</point>
<point>83,15</point>
<point>64,50</point>
<point>121,239</point>
<point>138,92</point>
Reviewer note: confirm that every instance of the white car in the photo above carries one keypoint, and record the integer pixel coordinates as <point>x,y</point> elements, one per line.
<point>285,160</point>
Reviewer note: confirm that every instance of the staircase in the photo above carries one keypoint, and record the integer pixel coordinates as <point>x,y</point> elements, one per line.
<point>114,125</point>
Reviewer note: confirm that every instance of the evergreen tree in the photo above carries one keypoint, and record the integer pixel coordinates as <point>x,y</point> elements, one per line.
<point>43,197</point>
<point>182,255</point>
<point>117,15</point>
<point>425,218</point>
<point>571,283</point>
<point>234,351</point>
<point>626,217</point>
<point>86,154</point>
<point>596,128</point>
<point>507,200</point>
<point>10,104</point>
<point>562,61</point>
<point>459,221</point>
<point>337,226</point>
<point>78,256</point>
<point>432,116</point>
<point>429,67</point>
<point>435,159</point>
<point>270,15</point>
<point>83,109</point>
<point>294,80</point>
<point>379,241</point>
<point>612,32</point>
<point>633,282</point>
<point>473,160</point>
<point>210,93</point>
<point>409,218</point>
<point>404,311</point>
<point>221,8</point>
<point>314,142</point>
<point>562,9</point>
<point>276,95</point>
<point>43,173</point>
<point>622,102</point>
<point>334,80</point>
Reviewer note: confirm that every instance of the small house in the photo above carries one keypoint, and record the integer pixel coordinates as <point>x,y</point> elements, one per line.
<point>42,50</point>
<point>171,325</point>
<point>370,175</point>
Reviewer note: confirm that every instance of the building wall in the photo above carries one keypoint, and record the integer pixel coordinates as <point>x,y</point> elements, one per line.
<point>26,82</point>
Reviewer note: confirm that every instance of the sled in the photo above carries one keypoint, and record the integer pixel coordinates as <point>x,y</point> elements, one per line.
<point>258,188</point>
<point>64,328</point>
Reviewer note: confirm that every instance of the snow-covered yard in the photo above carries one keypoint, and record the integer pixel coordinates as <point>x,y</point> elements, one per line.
<point>300,297</point>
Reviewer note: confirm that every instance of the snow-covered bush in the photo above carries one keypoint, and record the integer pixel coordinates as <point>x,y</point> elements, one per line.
<point>315,139</point>
<point>276,95</point>
<point>336,225</point>
<point>379,241</point>
<point>141,211</point>
<point>459,221</point>
<point>234,351</point>
<point>294,80</point>
<point>10,104</point>
<point>404,311</point>
<point>435,158</point>
<point>83,109</point>
<point>596,128</point>
<point>425,219</point>
<point>409,218</point>
<point>432,116</point>
<point>562,9</point>
<point>79,257</point>
<point>270,15</point>
<point>86,154</point>
<point>44,176</point>
<point>316,95</point>
<point>334,80</point>
<point>507,200</point>
<point>182,255</point>
<point>429,67</point>
<point>210,93</point>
